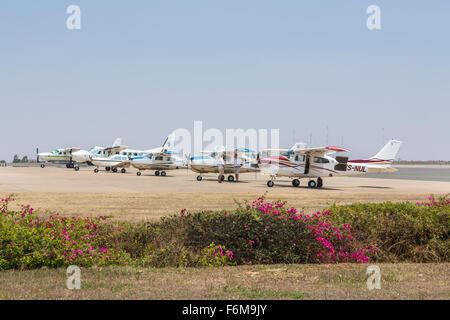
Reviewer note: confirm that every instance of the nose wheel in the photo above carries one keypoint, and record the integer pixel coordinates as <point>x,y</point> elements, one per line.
<point>270,183</point>
<point>163,173</point>
<point>77,168</point>
<point>96,170</point>
<point>199,178</point>
<point>295,182</point>
<point>157,173</point>
<point>230,178</point>
<point>138,173</point>
<point>123,170</point>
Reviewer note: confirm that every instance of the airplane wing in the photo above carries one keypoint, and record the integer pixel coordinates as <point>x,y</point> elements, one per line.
<point>321,150</point>
<point>115,149</point>
<point>70,150</point>
<point>275,151</point>
<point>239,151</point>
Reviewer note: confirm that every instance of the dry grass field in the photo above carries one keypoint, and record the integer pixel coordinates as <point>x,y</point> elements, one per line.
<point>398,281</point>
<point>129,197</point>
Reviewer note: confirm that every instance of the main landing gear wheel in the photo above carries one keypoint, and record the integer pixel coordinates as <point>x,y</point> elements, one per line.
<point>96,170</point>
<point>123,170</point>
<point>77,168</point>
<point>114,170</point>
<point>295,182</point>
<point>156,173</point>
<point>199,178</point>
<point>270,183</point>
<point>230,178</point>
<point>319,182</point>
<point>311,184</point>
<point>222,178</point>
<point>42,166</point>
<point>163,173</point>
<point>108,168</point>
<point>138,173</point>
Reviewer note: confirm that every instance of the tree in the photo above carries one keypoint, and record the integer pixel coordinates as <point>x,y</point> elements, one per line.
<point>24,159</point>
<point>16,159</point>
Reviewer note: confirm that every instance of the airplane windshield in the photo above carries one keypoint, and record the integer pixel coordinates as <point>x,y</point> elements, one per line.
<point>55,151</point>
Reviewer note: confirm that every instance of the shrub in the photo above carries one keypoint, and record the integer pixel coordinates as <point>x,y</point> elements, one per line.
<point>401,232</point>
<point>27,241</point>
<point>260,232</point>
<point>216,256</point>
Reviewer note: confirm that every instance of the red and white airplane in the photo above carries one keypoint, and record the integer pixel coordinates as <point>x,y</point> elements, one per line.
<point>300,162</point>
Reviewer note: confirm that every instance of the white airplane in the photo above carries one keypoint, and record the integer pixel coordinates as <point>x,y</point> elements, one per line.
<point>301,162</point>
<point>207,163</point>
<point>160,159</point>
<point>110,158</point>
<point>59,156</point>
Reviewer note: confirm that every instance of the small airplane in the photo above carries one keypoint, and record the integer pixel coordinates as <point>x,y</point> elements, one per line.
<point>64,156</point>
<point>160,159</point>
<point>207,163</point>
<point>110,158</point>
<point>300,162</point>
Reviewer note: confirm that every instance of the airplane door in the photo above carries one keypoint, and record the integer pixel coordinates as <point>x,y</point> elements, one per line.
<point>307,161</point>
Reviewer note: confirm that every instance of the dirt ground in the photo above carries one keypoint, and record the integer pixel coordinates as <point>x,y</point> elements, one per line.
<point>129,197</point>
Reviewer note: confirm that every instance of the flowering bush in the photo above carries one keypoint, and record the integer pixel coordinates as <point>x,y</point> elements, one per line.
<point>400,232</point>
<point>261,232</point>
<point>27,241</point>
<point>216,256</point>
<point>440,202</point>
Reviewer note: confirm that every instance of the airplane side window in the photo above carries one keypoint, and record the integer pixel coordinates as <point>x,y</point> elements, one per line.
<point>158,158</point>
<point>320,160</point>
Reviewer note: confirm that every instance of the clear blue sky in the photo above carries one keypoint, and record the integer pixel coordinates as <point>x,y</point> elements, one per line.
<point>140,69</point>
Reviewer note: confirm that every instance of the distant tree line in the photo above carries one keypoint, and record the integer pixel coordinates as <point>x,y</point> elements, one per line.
<point>18,160</point>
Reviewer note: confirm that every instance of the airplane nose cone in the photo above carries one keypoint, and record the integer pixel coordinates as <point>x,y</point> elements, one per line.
<point>80,156</point>
<point>42,156</point>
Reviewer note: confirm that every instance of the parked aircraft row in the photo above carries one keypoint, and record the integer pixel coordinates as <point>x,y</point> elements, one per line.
<point>297,162</point>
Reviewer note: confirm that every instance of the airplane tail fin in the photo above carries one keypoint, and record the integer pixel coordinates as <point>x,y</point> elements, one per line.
<point>388,152</point>
<point>117,142</point>
<point>169,143</point>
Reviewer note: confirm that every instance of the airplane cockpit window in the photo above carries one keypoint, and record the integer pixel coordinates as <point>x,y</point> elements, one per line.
<point>288,154</point>
<point>320,160</point>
